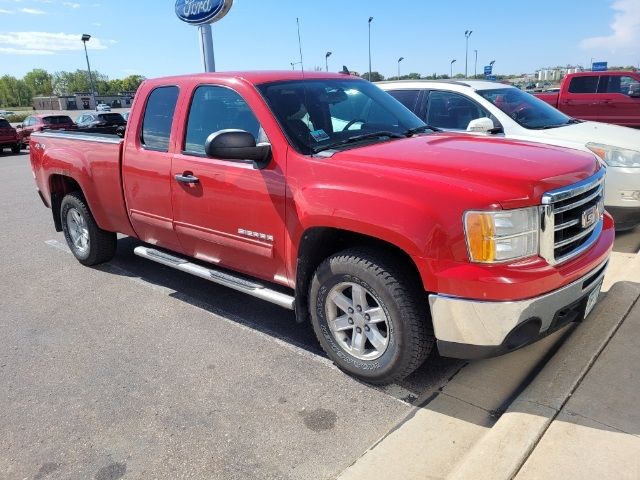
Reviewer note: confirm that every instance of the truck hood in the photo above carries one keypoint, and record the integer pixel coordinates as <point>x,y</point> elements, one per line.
<point>596,132</point>
<point>512,173</point>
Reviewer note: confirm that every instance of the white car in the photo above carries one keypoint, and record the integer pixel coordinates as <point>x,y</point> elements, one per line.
<point>103,107</point>
<point>489,108</point>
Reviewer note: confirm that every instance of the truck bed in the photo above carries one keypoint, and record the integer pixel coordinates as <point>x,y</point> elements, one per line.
<point>550,98</point>
<point>93,161</point>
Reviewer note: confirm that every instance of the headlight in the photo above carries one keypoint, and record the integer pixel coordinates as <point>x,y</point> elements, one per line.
<point>614,156</point>
<point>502,235</point>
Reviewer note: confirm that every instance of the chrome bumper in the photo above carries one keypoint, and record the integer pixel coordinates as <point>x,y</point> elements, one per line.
<point>475,329</point>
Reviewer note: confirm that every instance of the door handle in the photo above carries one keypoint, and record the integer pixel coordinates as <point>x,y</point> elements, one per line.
<point>187,178</point>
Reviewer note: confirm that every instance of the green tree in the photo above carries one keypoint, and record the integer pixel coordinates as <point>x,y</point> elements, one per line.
<point>39,82</point>
<point>132,82</point>
<point>375,76</point>
<point>14,92</point>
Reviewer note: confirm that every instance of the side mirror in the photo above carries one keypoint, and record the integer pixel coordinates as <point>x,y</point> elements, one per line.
<point>634,90</point>
<point>237,145</point>
<point>19,125</point>
<point>481,125</point>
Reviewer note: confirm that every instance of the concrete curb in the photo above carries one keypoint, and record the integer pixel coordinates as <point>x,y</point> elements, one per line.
<point>502,451</point>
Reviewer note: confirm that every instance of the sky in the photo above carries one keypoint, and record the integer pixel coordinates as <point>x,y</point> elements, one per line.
<point>145,37</point>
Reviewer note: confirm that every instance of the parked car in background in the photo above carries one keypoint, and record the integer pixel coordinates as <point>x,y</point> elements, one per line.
<point>499,110</point>
<point>106,122</point>
<point>103,107</point>
<point>322,194</point>
<point>610,97</point>
<point>39,123</point>
<point>8,137</point>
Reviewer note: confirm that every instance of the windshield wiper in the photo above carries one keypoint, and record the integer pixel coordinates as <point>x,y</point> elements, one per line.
<point>358,138</point>
<point>571,121</point>
<point>420,129</point>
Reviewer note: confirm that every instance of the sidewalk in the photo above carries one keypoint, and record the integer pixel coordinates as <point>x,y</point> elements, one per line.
<point>579,418</point>
<point>597,432</point>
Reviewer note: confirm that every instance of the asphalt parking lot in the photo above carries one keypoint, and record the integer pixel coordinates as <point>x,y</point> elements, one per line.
<point>133,368</point>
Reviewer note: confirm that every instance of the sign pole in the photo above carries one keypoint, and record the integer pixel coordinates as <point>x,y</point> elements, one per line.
<point>206,46</point>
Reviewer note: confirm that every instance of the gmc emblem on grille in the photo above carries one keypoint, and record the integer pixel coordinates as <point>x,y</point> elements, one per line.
<point>589,216</point>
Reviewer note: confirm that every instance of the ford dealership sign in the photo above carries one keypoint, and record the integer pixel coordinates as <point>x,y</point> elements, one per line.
<point>200,12</point>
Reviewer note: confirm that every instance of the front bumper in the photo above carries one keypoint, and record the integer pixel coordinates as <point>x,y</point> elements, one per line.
<point>622,196</point>
<point>478,329</point>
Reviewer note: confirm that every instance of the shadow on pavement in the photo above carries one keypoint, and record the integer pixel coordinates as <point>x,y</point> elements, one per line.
<point>256,314</point>
<point>628,241</point>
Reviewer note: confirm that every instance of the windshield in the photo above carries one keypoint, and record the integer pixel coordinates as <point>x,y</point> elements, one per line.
<point>57,120</point>
<point>320,114</point>
<point>524,108</point>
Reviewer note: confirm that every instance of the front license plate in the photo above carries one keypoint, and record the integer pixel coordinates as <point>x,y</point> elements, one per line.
<point>592,300</point>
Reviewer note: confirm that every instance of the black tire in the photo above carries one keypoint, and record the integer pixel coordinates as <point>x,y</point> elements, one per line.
<point>101,245</point>
<point>15,148</point>
<point>398,294</point>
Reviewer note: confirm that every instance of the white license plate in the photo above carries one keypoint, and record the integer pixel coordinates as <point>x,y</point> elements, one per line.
<point>592,300</point>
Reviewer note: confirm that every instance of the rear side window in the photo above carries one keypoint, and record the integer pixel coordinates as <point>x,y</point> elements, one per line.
<point>452,111</point>
<point>158,118</point>
<point>217,108</point>
<point>112,117</point>
<point>616,84</point>
<point>57,120</point>
<point>409,98</point>
<point>586,84</point>
<point>4,123</point>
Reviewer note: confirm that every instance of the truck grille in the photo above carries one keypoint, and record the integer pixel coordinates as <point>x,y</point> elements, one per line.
<point>572,219</point>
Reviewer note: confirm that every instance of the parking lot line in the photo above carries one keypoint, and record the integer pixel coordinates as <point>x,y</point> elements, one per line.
<point>393,390</point>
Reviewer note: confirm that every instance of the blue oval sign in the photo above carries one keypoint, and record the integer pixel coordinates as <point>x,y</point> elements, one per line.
<point>199,12</point>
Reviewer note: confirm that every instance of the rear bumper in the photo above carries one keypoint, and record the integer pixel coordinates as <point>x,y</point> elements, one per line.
<point>478,329</point>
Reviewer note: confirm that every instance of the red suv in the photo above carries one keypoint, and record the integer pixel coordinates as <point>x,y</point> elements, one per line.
<point>38,123</point>
<point>8,137</point>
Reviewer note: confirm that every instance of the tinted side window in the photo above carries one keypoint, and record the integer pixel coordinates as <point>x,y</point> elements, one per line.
<point>4,123</point>
<point>452,111</point>
<point>616,84</point>
<point>158,117</point>
<point>409,98</point>
<point>583,85</point>
<point>217,108</point>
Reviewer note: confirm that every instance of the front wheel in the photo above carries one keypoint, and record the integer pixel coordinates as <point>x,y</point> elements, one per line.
<point>370,316</point>
<point>89,243</point>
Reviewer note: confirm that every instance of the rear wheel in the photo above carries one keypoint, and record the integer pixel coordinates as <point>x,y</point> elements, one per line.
<point>15,148</point>
<point>89,243</point>
<point>370,316</point>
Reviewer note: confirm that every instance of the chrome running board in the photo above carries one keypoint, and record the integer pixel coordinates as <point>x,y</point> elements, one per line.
<point>221,278</point>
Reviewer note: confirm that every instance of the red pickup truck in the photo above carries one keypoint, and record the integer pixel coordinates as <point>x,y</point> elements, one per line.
<point>609,97</point>
<point>323,194</point>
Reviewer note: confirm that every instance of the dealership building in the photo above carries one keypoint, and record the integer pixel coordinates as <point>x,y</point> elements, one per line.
<point>82,101</point>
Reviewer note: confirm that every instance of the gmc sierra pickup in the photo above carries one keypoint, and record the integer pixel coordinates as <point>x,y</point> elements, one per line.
<point>323,194</point>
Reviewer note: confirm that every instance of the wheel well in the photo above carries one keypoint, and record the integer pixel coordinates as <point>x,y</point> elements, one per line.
<point>59,186</point>
<point>317,244</point>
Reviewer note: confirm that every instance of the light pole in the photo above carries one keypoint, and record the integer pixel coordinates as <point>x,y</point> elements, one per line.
<point>467,34</point>
<point>370,20</point>
<point>293,65</point>
<point>475,66</point>
<point>326,60</point>
<point>452,62</point>
<point>85,38</point>
<point>399,60</point>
